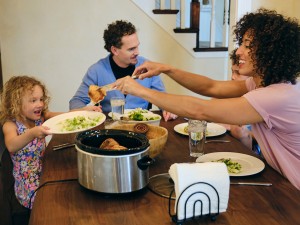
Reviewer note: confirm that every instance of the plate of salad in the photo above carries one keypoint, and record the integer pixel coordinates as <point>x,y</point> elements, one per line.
<point>139,115</point>
<point>73,122</point>
<point>238,164</point>
<point>126,111</point>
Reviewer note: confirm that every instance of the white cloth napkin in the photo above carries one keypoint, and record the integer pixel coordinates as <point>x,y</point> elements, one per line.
<point>185,174</point>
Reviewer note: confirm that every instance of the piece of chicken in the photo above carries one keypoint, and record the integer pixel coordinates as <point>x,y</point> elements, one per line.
<point>111,144</point>
<point>96,93</point>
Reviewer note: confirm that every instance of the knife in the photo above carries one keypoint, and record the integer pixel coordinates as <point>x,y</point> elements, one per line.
<point>251,183</point>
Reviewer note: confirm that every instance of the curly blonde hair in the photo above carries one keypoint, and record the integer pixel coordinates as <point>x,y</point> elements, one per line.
<point>11,97</point>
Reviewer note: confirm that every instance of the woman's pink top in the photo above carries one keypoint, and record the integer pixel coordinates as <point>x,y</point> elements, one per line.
<point>279,135</point>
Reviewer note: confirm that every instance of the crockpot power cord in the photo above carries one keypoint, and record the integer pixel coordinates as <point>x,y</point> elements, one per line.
<point>48,182</point>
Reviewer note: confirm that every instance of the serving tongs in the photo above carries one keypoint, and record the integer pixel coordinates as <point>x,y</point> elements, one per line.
<point>107,87</point>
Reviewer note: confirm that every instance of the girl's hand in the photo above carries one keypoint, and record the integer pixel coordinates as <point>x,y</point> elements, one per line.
<point>40,131</point>
<point>14,142</point>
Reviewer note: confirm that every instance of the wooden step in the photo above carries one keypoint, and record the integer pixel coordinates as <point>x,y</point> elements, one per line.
<point>209,49</point>
<point>165,11</point>
<point>186,30</point>
<point>203,46</point>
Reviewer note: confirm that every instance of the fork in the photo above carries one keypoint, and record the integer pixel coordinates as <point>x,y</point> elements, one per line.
<point>63,146</point>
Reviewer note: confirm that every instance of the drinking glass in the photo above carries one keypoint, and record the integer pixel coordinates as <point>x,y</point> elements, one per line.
<point>117,107</point>
<point>197,130</point>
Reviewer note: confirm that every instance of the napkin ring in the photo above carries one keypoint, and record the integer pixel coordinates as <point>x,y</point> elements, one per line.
<point>198,192</point>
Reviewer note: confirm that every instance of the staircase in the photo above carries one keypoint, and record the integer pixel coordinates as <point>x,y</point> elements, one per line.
<point>197,34</point>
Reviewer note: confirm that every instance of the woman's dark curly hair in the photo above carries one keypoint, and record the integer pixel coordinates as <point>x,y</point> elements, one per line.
<point>115,31</point>
<point>275,48</point>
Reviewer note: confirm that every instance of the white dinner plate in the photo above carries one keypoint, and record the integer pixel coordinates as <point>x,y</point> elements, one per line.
<point>126,111</point>
<point>55,123</point>
<point>213,129</point>
<point>250,165</point>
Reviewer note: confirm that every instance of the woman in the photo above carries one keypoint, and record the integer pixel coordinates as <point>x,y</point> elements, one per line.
<point>269,53</point>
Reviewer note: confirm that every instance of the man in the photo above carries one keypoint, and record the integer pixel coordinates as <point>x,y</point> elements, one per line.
<point>122,42</point>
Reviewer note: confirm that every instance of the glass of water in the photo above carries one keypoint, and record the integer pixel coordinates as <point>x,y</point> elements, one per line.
<point>197,130</point>
<point>117,107</point>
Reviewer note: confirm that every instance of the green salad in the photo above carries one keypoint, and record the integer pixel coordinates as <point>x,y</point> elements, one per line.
<point>232,167</point>
<point>79,123</point>
<point>138,115</point>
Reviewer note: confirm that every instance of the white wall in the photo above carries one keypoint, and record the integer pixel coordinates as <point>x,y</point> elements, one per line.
<point>57,41</point>
<point>240,7</point>
<point>287,7</point>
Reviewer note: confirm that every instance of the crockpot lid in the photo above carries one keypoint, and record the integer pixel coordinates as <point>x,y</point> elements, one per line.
<point>91,140</point>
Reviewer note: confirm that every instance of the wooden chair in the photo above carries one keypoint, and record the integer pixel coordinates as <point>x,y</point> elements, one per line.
<point>12,212</point>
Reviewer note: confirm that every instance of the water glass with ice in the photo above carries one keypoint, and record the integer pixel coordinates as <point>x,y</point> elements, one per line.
<point>197,130</point>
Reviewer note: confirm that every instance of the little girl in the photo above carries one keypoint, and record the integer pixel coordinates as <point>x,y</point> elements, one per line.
<point>24,107</point>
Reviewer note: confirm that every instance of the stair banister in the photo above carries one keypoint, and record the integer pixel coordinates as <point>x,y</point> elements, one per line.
<point>212,24</point>
<point>162,4</point>
<point>226,22</point>
<point>182,14</point>
<point>195,14</point>
<point>173,4</point>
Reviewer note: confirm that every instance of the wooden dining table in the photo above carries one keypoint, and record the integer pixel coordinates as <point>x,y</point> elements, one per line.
<point>61,200</point>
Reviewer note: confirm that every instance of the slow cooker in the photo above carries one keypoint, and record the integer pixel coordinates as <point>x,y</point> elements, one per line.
<point>113,171</point>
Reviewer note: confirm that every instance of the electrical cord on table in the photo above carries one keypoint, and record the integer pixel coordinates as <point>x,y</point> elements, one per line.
<point>44,184</point>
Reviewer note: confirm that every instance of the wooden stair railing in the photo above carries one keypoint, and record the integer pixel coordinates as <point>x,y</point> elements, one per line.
<point>194,26</point>
<point>195,14</point>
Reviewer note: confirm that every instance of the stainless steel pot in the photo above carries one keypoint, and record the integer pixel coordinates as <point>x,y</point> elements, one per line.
<point>110,171</point>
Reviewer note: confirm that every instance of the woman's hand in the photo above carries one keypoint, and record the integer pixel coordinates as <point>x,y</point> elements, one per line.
<point>149,69</point>
<point>127,85</point>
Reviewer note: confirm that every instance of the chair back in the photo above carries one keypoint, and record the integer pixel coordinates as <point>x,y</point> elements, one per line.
<point>2,145</point>
<point>14,213</point>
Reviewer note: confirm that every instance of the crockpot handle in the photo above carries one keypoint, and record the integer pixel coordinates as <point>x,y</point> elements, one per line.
<point>145,162</point>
